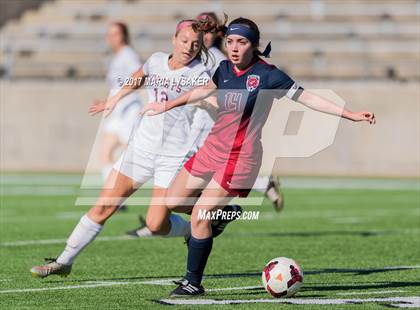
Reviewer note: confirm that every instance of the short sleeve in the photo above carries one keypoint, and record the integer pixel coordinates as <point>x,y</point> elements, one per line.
<point>280,80</point>
<point>146,66</point>
<point>133,62</point>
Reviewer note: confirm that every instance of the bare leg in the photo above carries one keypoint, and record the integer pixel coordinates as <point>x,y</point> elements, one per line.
<point>110,142</point>
<point>159,219</point>
<point>212,198</point>
<point>182,195</point>
<point>116,189</point>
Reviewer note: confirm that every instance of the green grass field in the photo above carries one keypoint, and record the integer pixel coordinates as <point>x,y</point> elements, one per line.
<point>359,246</point>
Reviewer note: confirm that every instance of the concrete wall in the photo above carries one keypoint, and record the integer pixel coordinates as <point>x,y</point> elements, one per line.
<point>45,126</point>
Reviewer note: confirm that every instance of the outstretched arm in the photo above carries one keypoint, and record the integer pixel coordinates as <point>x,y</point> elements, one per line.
<point>136,81</point>
<point>192,96</point>
<point>318,103</point>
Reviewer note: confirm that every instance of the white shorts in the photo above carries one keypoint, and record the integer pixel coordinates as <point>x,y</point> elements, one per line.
<point>122,120</point>
<point>141,166</point>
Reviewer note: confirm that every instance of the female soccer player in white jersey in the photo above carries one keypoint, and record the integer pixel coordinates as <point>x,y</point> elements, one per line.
<point>203,119</point>
<point>117,128</point>
<point>158,149</point>
<point>228,163</point>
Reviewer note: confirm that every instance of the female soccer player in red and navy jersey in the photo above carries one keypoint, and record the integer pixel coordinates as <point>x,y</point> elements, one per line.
<point>228,163</point>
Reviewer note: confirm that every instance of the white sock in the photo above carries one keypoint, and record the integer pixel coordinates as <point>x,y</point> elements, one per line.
<point>179,227</point>
<point>261,184</point>
<point>144,232</point>
<point>106,170</point>
<point>83,234</point>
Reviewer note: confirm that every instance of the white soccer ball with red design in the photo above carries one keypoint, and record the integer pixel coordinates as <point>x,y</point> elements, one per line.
<point>282,277</point>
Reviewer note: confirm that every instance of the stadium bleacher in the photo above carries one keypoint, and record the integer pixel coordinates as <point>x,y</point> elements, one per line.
<point>323,39</point>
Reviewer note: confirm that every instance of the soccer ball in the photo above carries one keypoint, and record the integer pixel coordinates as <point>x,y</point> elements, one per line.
<point>282,277</point>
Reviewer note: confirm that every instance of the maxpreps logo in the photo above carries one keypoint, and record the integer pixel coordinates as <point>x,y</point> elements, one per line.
<point>252,82</point>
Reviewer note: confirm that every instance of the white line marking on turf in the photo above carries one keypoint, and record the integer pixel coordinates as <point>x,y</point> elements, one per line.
<point>58,241</point>
<point>161,281</point>
<point>371,293</point>
<point>346,220</point>
<point>170,282</point>
<point>135,201</point>
<point>402,302</point>
<point>413,301</point>
<point>400,267</point>
<point>70,287</point>
<point>39,191</point>
<point>234,288</point>
<point>287,182</point>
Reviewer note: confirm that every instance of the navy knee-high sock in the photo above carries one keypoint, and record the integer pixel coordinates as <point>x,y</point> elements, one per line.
<point>198,253</point>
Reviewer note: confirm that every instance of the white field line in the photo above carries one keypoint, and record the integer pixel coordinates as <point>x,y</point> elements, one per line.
<point>92,284</point>
<point>234,288</point>
<point>371,293</point>
<point>31,182</point>
<point>166,282</point>
<point>135,201</point>
<point>336,216</point>
<point>70,287</point>
<point>58,241</point>
<point>97,284</point>
<point>401,302</point>
<point>347,220</point>
<point>40,179</point>
<point>39,191</point>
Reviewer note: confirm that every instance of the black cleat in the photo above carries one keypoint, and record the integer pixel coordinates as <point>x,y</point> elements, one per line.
<point>218,226</point>
<point>186,289</point>
<point>122,208</point>
<point>141,231</point>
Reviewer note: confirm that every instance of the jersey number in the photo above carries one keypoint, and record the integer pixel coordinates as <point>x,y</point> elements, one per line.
<point>233,101</point>
<point>163,95</point>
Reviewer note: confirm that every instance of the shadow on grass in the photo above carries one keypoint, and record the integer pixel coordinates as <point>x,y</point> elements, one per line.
<point>346,287</point>
<point>352,271</point>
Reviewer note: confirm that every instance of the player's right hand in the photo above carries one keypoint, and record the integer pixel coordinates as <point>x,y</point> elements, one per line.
<point>102,105</point>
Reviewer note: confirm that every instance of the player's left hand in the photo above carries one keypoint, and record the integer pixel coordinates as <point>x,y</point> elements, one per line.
<point>153,108</point>
<point>364,116</point>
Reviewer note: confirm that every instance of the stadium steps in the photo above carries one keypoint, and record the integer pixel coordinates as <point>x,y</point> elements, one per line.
<point>346,39</point>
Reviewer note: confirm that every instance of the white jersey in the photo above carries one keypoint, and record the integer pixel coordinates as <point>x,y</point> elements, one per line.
<point>202,122</point>
<point>168,133</point>
<point>216,56</point>
<point>122,66</point>
<point>125,114</point>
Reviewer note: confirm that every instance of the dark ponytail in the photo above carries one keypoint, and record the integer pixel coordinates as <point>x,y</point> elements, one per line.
<point>219,28</point>
<point>124,31</point>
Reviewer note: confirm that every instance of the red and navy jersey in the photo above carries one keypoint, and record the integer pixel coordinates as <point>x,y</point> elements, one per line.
<point>241,116</point>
